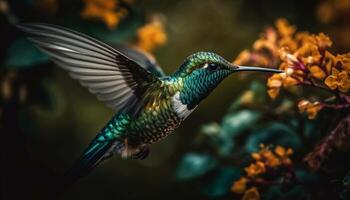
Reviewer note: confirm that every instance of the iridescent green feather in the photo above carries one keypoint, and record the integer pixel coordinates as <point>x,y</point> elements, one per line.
<point>150,106</point>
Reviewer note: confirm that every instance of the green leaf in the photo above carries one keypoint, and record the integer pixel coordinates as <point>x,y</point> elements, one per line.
<point>346,180</point>
<point>232,125</point>
<point>210,129</point>
<point>297,192</point>
<point>275,133</point>
<point>273,192</point>
<point>306,176</point>
<point>259,95</point>
<point>259,90</point>
<point>194,165</point>
<point>224,145</point>
<point>237,122</point>
<point>312,129</point>
<point>222,182</point>
<point>345,194</point>
<point>278,192</point>
<point>23,54</point>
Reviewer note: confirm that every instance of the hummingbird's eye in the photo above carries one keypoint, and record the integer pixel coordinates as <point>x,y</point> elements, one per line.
<point>213,66</point>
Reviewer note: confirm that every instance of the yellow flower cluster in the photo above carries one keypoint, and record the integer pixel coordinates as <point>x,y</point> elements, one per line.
<point>309,62</point>
<point>338,80</point>
<point>303,57</point>
<point>4,7</point>
<point>265,162</point>
<point>251,194</point>
<point>107,11</point>
<point>334,14</point>
<point>151,35</point>
<point>311,108</point>
<point>329,10</point>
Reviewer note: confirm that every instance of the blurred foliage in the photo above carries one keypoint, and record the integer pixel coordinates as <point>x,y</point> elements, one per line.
<point>194,165</point>
<point>29,55</point>
<point>275,133</point>
<point>300,115</point>
<point>334,14</point>
<point>253,119</point>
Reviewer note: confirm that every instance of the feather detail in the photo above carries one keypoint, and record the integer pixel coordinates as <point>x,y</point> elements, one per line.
<point>115,79</point>
<point>180,108</point>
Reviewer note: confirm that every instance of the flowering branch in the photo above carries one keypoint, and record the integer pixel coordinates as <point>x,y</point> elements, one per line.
<point>326,146</point>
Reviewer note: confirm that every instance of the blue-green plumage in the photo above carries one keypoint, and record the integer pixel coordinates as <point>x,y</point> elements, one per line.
<point>148,105</point>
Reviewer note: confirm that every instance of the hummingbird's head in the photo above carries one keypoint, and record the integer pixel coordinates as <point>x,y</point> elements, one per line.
<point>203,71</point>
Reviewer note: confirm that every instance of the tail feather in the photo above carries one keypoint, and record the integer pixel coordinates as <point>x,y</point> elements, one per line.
<point>93,155</point>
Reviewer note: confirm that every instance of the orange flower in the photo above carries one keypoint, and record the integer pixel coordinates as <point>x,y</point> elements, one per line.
<point>288,42</point>
<point>273,92</point>
<point>242,58</point>
<point>112,19</point>
<point>273,158</point>
<point>247,98</point>
<point>311,108</point>
<point>338,79</point>
<point>305,61</point>
<point>325,12</point>
<point>270,159</point>
<point>284,154</point>
<point>274,83</point>
<point>323,41</point>
<point>4,7</point>
<point>256,156</point>
<point>317,72</point>
<point>255,169</point>
<point>308,52</point>
<point>329,61</point>
<point>239,186</point>
<point>344,59</point>
<point>151,36</point>
<point>302,105</point>
<point>267,162</point>
<point>284,28</point>
<point>268,41</point>
<point>104,10</point>
<point>289,81</point>
<point>251,194</point>
<point>277,80</point>
<point>264,44</point>
<point>329,11</point>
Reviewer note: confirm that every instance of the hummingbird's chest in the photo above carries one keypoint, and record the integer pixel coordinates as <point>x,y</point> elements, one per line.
<point>158,120</point>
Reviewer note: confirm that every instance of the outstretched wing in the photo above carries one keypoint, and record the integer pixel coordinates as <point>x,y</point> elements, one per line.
<point>142,58</point>
<point>107,73</point>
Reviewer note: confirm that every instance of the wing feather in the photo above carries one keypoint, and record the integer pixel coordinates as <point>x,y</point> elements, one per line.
<point>114,78</point>
<point>143,58</point>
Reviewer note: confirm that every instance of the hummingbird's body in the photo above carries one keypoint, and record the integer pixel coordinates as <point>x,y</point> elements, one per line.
<point>149,104</point>
<point>167,106</point>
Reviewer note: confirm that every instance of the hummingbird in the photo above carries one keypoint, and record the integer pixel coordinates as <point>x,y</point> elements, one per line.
<point>149,105</point>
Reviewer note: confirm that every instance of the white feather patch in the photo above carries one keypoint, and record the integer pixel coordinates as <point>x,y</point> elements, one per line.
<point>181,109</point>
<point>63,48</point>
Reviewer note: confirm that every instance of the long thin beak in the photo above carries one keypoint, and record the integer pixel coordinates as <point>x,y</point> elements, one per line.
<point>238,68</point>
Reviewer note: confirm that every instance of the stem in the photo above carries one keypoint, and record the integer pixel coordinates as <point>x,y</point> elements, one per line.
<point>324,148</point>
<point>336,106</point>
<point>309,83</point>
